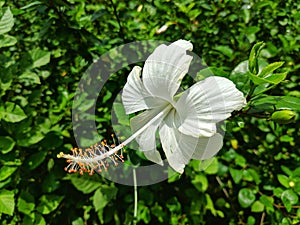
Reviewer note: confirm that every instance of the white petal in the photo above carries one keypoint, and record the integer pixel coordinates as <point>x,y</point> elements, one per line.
<point>187,45</point>
<point>164,70</point>
<point>208,147</point>
<point>178,147</point>
<point>206,103</point>
<point>146,139</point>
<point>134,96</point>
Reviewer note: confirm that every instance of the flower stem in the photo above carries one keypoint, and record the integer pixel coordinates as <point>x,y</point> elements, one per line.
<point>135,197</point>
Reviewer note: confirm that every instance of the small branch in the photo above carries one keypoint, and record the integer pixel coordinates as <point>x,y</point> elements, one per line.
<point>283,207</point>
<point>223,189</point>
<point>263,215</point>
<point>121,31</point>
<point>135,197</point>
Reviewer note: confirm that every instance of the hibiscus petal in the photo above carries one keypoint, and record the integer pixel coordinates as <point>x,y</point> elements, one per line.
<point>184,44</point>
<point>147,139</point>
<point>165,68</point>
<point>134,96</point>
<point>178,148</point>
<point>206,103</point>
<point>208,147</point>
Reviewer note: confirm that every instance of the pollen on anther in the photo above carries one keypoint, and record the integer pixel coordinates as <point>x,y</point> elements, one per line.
<point>94,158</point>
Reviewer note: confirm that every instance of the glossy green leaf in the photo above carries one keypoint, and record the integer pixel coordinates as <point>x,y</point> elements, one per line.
<point>78,221</point>
<point>284,180</point>
<point>257,206</point>
<point>6,144</point>
<point>236,175</point>
<point>85,185</point>
<point>210,166</point>
<point>289,198</point>
<point>6,20</point>
<point>7,40</point>
<point>240,78</point>
<point>200,182</point>
<point>35,160</point>
<point>289,102</point>
<point>48,203</point>
<point>13,113</point>
<point>26,203</point>
<point>272,79</point>
<point>251,220</point>
<point>253,57</point>
<point>103,196</point>
<point>210,206</point>
<point>7,202</point>
<point>6,171</point>
<point>119,110</point>
<point>246,197</point>
<point>29,78</point>
<point>269,69</point>
<point>268,202</point>
<point>226,50</point>
<point>39,57</point>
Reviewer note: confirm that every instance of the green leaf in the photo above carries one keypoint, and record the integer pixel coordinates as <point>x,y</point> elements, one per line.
<point>269,69</point>
<point>6,144</point>
<point>210,206</point>
<point>251,220</point>
<point>268,202</point>
<point>200,182</point>
<point>39,57</point>
<point>35,160</point>
<point>225,50</point>
<point>85,185</point>
<point>78,221</point>
<point>283,180</point>
<point>289,198</point>
<point>212,165</point>
<point>257,207</point>
<point>7,40</point>
<point>289,102</point>
<point>240,78</point>
<point>26,203</point>
<point>13,113</point>
<point>237,175</point>
<point>6,171</point>
<point>7,202</point>
<point>119,110</point>
<point>246,197</point>
<point>48,203</point>
<point>6,21</point>
<point>103,196</point>
<point>253,57</point>
<point>272,79</point>
<point>29,78</point>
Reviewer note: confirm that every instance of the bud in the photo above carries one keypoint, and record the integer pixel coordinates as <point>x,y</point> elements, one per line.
<point>283,116</point>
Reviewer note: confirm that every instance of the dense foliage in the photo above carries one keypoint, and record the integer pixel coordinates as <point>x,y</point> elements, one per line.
<point>46,46</point>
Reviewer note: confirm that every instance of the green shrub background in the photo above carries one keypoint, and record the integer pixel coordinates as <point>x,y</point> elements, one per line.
<point>46,46</point>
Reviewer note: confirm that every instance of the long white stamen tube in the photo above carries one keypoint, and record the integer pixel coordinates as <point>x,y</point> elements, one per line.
<point>84,159</point>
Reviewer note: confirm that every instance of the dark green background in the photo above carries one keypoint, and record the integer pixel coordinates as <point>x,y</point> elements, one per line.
<point>47,45</point>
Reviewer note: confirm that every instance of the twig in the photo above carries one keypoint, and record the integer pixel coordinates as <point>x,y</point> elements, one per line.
<point>121,31</point>
<point>222,185</point>
<point>263,215</point>
<point>135,197</point>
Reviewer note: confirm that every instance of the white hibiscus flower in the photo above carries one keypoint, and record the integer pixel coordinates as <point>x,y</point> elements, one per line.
<point>186,122</point>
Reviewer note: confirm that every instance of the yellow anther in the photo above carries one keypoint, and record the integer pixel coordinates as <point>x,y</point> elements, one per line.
<point>60,155</point>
